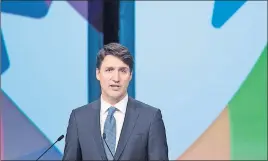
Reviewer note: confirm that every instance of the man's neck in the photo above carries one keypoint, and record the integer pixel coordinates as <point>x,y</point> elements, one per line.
<point>111,100</point>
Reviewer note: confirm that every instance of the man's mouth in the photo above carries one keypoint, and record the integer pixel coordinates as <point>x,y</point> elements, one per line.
<point>114,85</point>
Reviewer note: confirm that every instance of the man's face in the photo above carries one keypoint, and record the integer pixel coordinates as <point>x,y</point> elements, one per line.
<point>114,76</point>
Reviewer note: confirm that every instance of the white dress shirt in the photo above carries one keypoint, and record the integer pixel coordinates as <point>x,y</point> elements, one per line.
<point>119,115</point>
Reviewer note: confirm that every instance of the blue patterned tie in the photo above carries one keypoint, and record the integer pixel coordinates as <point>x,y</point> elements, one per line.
<point>110,131</point>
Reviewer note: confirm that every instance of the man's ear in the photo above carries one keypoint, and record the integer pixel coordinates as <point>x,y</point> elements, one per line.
<point>97,73</point>
<point>131,73</point>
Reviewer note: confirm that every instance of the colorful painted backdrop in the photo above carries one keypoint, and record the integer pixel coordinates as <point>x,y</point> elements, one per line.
<point>204,64</point>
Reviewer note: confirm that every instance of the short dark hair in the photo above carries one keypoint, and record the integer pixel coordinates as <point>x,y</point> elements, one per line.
<point>117,50</point>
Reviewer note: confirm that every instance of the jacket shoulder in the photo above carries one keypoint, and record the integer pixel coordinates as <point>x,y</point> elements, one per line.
<point>144,106</point>
<point>84,108</point>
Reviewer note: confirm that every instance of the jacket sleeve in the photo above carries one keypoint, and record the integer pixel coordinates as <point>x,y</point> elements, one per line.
<point>72,150</point>
<point>157,142</point>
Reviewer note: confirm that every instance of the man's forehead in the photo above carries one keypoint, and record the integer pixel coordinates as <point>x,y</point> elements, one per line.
<point>114,66</point>
<point>113,61</point>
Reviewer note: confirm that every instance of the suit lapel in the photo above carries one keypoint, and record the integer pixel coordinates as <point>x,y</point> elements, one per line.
<point>94,120</point>
<point>129,123</point>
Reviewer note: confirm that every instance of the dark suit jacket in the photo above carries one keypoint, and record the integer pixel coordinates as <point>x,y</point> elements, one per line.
<point>143,135</point>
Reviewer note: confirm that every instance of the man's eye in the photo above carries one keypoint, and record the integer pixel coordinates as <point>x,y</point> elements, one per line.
<point>108,70</point>
<point>124,70</point>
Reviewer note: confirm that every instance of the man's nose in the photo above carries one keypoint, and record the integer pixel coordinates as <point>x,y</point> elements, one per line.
<point>116,76</point>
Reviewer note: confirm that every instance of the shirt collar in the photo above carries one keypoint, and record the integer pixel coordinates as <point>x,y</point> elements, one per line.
<point>121,105</point>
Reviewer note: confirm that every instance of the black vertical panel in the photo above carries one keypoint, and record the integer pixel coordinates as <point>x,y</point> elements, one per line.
<point>127,35</point>
<point>95,43</point>
<point>110,21</point>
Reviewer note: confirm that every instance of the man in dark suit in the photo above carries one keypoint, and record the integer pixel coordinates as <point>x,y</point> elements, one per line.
<point>116,126</point>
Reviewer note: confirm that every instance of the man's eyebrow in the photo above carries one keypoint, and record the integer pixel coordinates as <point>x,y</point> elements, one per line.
<point>120,68</point>
<point>123,68</point>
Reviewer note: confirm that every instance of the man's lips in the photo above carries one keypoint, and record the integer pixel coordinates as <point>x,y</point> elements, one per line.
<point>114,85</point>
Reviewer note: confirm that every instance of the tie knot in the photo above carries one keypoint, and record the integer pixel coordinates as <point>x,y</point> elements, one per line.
<point>111,110</point>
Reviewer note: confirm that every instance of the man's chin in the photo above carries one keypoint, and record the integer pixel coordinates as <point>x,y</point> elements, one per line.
<point>116,95</point>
